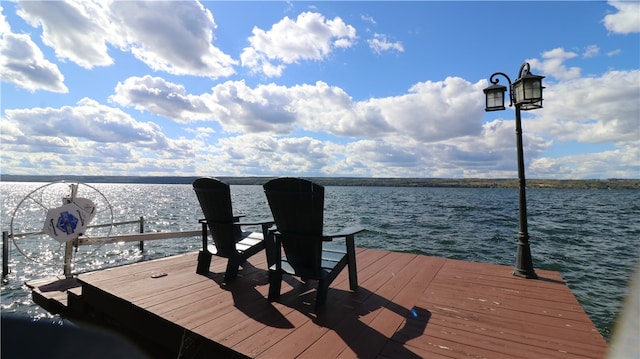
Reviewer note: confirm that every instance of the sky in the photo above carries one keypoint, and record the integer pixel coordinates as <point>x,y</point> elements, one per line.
<point>316,89</point>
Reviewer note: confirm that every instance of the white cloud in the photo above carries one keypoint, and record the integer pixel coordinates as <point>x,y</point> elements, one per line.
<point>435,111</point>
<point>309,37</point>
<point>627,18</point>
<point>591,51</point>
<point>76,30</point>
<point>620,163</point>
<point>430,111</point>
<point>160,97</point>
<point>614,53</point>
<point>23,64</point>
<point>434,129</point>
<point>240,108</point>
<point>553,64</point>
<point>380,43</point>
<point>4,25</point>
<point>88,120</point>
<point>171,36</point>
<point>368,18</point>
<point>90,138</point>
<point>595,110</point>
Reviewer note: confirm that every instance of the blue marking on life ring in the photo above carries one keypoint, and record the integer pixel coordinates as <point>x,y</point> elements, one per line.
<point>67,222</point>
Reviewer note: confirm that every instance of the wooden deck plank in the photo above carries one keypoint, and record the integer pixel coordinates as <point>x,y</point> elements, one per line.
<point>52,293</point>
<point>339,297</point>
<point>256,346</point>
<point>407,306</point>
<point>512,314</point>
<point>515,327</point>
<point>401,318</point>
<point>383,313</point>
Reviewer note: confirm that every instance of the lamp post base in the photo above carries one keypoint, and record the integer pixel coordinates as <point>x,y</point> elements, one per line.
<point>524,263</point>
<point>525,274</point>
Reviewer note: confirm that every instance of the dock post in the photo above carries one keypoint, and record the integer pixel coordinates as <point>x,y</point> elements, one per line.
<point>141,244</point>
<point>5,254</point>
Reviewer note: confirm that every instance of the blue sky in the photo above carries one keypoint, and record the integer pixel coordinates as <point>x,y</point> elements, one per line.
<point>363,89</point>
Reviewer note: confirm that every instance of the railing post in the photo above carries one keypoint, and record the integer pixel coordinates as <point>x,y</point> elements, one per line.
<point>68,255</point>
<point>141,244</point>
<point>5,254</point>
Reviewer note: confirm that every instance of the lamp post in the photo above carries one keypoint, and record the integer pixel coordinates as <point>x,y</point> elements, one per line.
<point>525,94</point>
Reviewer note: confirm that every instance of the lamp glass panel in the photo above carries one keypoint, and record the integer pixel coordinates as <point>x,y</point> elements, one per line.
<point>518,92</point>
<point>531,106</point>
<point>495,99</point>
<point>532,90</point>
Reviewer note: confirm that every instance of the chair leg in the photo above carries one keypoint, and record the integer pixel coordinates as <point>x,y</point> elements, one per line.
<point>351,263</point>
<point>204,262</point>
<point>232,270</point>
<point>321,296</point>
<point>275,283</point>
<point>353,276</point>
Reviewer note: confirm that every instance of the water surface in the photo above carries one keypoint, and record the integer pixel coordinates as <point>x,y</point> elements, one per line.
<point>590,236</point>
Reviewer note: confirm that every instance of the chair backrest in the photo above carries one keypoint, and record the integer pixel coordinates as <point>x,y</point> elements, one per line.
<point>297,206</point>
<point>215,200</point>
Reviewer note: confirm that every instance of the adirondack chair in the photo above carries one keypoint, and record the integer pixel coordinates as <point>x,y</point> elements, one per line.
<point>297,206</point>
<point>228,238</point>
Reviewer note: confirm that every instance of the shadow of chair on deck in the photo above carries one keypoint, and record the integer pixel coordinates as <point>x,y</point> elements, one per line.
<point>346,315</point>
<point>247,298</point>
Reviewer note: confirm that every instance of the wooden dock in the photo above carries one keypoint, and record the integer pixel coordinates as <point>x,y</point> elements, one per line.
<point>407,306</point>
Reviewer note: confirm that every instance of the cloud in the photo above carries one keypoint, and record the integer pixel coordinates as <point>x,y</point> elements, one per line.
<point>553,64</point>
<point>380,43</point>
<point>160,97</point>
<point>618,163</point>
<point>435,110</point>
<point>627,18</point>
<point>595,110</point>
<point>23,64</point>
<point>591,51</point>
<point>309,37</point>
<point>368,18</point>
<point>90,138</point>
<point>601,110</point>
<point>171,36</point>
<point>4,25</point>
<point>430,111</point>
<point>76,30</point>
<point>433,129</point>
<point>90,121</point>
<point>614,53</point>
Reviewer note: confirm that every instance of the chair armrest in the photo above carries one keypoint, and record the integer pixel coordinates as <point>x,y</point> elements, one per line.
<point>260,222</point>
<point>349,231</point>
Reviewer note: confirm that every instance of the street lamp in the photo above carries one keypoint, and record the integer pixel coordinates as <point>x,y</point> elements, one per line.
<point>526,94</point>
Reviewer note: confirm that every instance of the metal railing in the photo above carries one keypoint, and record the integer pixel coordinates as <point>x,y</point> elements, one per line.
<point>139,237</point>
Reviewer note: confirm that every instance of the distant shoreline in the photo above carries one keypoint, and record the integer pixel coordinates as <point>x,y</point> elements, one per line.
<point>351,181</point>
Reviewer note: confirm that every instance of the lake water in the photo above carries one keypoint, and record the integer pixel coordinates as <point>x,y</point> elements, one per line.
<point>590,236</point>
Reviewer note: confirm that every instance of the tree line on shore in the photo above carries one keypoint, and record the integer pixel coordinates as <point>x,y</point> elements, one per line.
<point>351,181</point>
